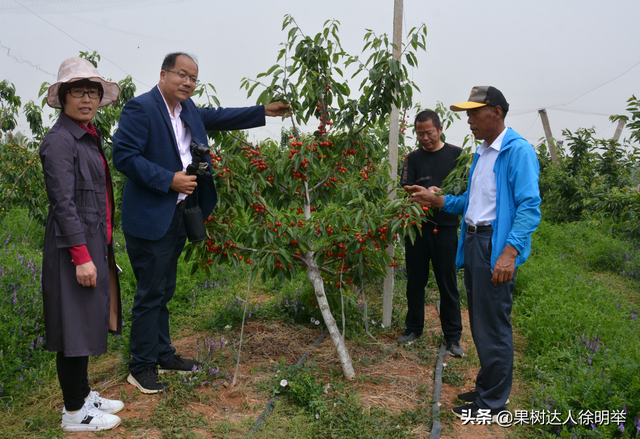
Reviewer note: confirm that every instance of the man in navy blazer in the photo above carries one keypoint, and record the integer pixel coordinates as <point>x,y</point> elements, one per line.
<point>151,147</point>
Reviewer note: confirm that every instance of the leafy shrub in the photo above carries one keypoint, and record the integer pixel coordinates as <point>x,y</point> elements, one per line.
<point>21,180</point>
<point>301,386</point>
<point>596,180</point>
<point>9,106</point>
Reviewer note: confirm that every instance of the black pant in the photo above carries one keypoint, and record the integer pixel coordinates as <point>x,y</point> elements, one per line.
<point>73,378</point>
<point>155,266</point>
<point>441,250</point>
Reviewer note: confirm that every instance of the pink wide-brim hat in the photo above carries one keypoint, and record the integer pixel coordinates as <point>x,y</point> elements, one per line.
<point>75,69</point>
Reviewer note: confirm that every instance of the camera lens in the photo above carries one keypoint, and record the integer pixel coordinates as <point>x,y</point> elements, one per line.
<point>199,149</point>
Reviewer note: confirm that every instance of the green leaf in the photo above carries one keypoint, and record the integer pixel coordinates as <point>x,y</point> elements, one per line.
<point>253,87</point>
<point>285,254</point>
<point>292,33</point>
<point>358,218</point>
<point>265,98</point>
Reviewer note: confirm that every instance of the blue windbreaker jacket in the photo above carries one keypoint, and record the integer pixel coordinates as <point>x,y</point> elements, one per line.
<point>517,199</point>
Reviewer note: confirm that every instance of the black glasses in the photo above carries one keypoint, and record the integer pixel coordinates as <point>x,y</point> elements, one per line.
<point>183,76</point>
<point>78,93</point>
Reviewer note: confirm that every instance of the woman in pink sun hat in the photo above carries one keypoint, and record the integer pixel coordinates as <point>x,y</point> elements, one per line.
<point>80,288</point>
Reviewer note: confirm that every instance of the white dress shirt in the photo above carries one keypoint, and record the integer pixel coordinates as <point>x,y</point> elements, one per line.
<point>183,137</point>
<point>482,194</point>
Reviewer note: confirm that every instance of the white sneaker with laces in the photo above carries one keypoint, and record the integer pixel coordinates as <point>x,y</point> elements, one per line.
<point>88,418</point>
<point>111,406</point>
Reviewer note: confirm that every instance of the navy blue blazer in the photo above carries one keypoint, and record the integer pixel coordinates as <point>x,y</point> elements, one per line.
<point>146,151</point>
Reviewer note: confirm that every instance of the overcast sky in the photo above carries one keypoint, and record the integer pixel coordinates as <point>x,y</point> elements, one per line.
<point>580,59</point>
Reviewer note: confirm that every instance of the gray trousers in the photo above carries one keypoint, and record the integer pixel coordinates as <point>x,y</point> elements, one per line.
<point>490,322</point>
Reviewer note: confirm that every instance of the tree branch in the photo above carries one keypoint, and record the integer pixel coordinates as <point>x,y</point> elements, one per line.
<point>241,140</point>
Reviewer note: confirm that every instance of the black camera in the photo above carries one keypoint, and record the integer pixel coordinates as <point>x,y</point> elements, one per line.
<point>198,165</point>
<point>192,216</point>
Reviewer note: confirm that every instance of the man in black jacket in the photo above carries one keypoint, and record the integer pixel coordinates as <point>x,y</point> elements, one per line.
<point>428,166</point>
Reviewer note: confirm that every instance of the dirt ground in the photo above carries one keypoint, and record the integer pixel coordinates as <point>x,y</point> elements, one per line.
<point>396,382</point>
<point>455,429</point>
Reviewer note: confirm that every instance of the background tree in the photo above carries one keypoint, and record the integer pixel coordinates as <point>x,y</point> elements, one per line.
<point>21,179</point>
<point>597,179</point>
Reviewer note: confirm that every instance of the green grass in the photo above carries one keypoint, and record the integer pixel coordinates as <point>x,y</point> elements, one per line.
<point>345,419</point>
<point>32,409</point>
<point>582,330</point>
<point>575,313</point>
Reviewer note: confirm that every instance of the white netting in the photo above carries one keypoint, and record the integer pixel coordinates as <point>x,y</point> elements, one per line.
<point>74,6</point>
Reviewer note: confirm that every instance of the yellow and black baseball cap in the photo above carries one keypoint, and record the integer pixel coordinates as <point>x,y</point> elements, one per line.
<point>481,96</point>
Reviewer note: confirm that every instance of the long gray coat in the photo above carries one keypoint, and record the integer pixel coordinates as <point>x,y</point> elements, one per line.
<point>77,319</point>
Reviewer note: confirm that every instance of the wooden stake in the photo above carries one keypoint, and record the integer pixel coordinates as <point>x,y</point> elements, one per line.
<point>394,130</point>
<point>618,133</point>
<point>246,302</point>
<point>547,132</point>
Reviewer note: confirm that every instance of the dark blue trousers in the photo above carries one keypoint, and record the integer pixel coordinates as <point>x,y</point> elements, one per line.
<point>440,249</point>
<point>155,266</point>
<point>490,321</point>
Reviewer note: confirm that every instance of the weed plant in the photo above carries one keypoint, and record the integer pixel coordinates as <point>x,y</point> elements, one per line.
<point>349,419</point>
<point>583,354</point>
<point>453,376</point>
<point>301,386</point>
<point>23,360</point>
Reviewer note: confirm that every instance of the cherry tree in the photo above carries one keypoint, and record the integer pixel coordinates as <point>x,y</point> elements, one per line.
<point>316,201</point>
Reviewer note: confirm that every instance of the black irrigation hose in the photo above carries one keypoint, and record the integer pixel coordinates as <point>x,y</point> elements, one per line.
<point>272,402</point>
<point>436,426</point>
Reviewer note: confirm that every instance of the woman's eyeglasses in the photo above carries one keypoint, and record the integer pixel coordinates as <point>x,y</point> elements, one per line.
<point>78,93</point>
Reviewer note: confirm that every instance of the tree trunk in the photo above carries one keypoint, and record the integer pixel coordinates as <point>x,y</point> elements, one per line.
<point>313,274</point>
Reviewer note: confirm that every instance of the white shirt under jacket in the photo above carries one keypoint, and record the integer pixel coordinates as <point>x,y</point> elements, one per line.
<point>482,194</point>
<point>183,137</point>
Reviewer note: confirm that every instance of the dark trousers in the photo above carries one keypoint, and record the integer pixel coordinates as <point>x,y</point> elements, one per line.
<point>440,249</point>
<point>155,266</point>
<point>72,375</point>
<point>490,321</point>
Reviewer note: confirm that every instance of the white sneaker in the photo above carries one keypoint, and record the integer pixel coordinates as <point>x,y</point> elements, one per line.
<point>88,418</point>
<point>111,406</point>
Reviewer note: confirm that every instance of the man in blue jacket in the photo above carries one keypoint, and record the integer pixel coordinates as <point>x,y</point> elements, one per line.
<point>501,210</point>
<point>152,148</point>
